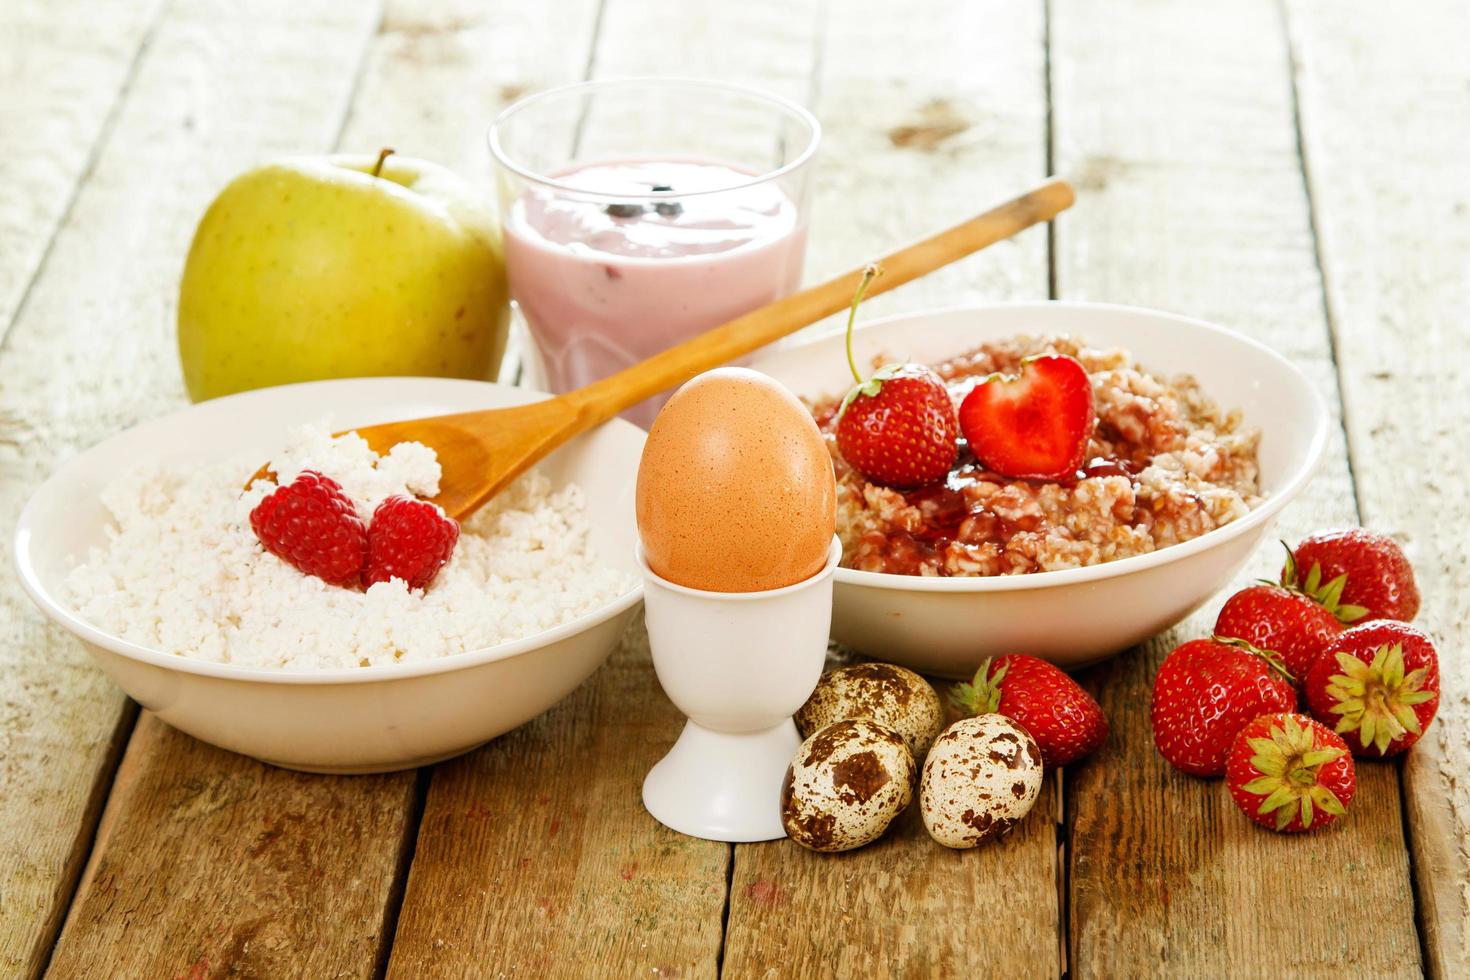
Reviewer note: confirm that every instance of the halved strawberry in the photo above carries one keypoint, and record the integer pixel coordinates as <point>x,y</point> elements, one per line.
<point>1033,426</point>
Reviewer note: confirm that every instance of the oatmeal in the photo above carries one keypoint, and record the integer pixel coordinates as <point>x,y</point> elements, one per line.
<point>1165,465</point>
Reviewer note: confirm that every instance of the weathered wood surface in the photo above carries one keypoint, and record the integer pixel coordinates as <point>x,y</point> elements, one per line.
<point>536,858</point>
<point>92,350</point>
<point>918,124</point>
<point>1177,124</point>
<point>63,67</point>
<point>921,127</point>
<point>1385,105</point>
<point>208,864</point>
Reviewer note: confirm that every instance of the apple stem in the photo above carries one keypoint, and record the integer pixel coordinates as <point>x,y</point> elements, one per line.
<point>870,272</point>
<point>383,154</point>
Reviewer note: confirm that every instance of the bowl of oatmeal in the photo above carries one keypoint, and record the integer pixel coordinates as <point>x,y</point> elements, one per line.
<point>143,548</point>
<point>1202,437</point>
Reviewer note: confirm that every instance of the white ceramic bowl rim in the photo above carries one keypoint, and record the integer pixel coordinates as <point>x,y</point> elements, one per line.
<point>1122,566</point>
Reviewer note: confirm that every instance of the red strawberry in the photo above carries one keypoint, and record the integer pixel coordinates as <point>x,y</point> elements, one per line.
<point>1205,693</point>
<point>1289,773</point>
<point>1064,719</point>
<point>897,427</point>
<point>1269,617</point>
<point>312,525</point>
<point>1378,684</point>
<point>1035,426</point>
<point>409,539</point>
<point>1355,573</point>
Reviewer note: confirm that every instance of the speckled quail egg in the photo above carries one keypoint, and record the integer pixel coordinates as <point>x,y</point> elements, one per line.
<point>845,785</point>
<point>981,777</point>
<point>894,697</point>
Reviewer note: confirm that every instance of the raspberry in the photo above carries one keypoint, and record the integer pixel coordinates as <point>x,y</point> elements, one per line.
<point>311,525</point>
<point>409,539</point>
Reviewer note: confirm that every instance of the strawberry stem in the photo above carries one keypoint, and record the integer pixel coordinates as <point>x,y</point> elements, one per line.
<point>870,272</point>
<point>383,155</point>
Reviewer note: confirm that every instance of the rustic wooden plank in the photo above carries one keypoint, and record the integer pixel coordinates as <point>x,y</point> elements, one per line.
<point>1176,121</point>
<point>63,67</point>
<point>535,856</point>
<point>1384,98</point>
<point>92,351</point>
<point>279,873</point>
<point>921,127</point>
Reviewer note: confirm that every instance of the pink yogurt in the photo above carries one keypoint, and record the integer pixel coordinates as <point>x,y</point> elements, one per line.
<point>605,287</point>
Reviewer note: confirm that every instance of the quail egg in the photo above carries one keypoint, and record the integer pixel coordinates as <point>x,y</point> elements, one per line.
<point>894,697</point>
<point>845,785</point>
<point>981,777</point>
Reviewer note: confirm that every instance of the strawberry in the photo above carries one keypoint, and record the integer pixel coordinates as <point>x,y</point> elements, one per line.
<point>1356,573</point>
<point>897,427</point>
<point>1036,425</point>
<point>1289,773</point>
<point>1270,617</point>
<point>1378,685</point>
<point>1204,694</point>
<point>313,526</point>
<point>1064,719</point>
<point>409,539</point>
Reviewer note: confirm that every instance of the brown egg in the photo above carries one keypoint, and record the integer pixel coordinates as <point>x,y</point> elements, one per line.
<point>735,489</point>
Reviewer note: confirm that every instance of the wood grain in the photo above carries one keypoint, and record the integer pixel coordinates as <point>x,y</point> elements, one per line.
<point>208,864</point>
<point>63,67</point>
<point>536,858</point>
<point>920,127</point>
<point>1176,122</point>
<point>1385,96</point>
<point>92,351</point>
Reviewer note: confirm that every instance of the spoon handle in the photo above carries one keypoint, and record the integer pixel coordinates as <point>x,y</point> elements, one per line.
<point>603,399</point>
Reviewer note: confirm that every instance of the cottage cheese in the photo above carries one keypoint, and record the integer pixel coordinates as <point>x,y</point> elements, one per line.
<point>183,573</point>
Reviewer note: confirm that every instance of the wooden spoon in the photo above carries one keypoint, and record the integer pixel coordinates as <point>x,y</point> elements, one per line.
<point>482,452</point>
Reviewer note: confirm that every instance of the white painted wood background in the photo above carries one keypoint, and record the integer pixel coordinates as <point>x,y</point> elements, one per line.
<point>1296,169</point>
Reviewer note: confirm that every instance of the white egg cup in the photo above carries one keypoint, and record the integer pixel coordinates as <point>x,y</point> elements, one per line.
<point>739,665</point>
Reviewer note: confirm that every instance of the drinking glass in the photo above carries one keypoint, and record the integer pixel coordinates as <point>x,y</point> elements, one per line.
<point>640,212</point>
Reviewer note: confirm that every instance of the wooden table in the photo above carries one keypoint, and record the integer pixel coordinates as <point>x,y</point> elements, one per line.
<point>1299,170</point>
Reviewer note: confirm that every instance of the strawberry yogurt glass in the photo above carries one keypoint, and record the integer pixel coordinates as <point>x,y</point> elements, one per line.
<point>640,212</point>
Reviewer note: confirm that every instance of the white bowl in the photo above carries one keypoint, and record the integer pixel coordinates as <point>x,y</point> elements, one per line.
<point>1074,617</point>
<point>368,719</point>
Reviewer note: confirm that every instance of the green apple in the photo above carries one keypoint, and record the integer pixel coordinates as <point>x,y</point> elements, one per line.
<point>342,266</point>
